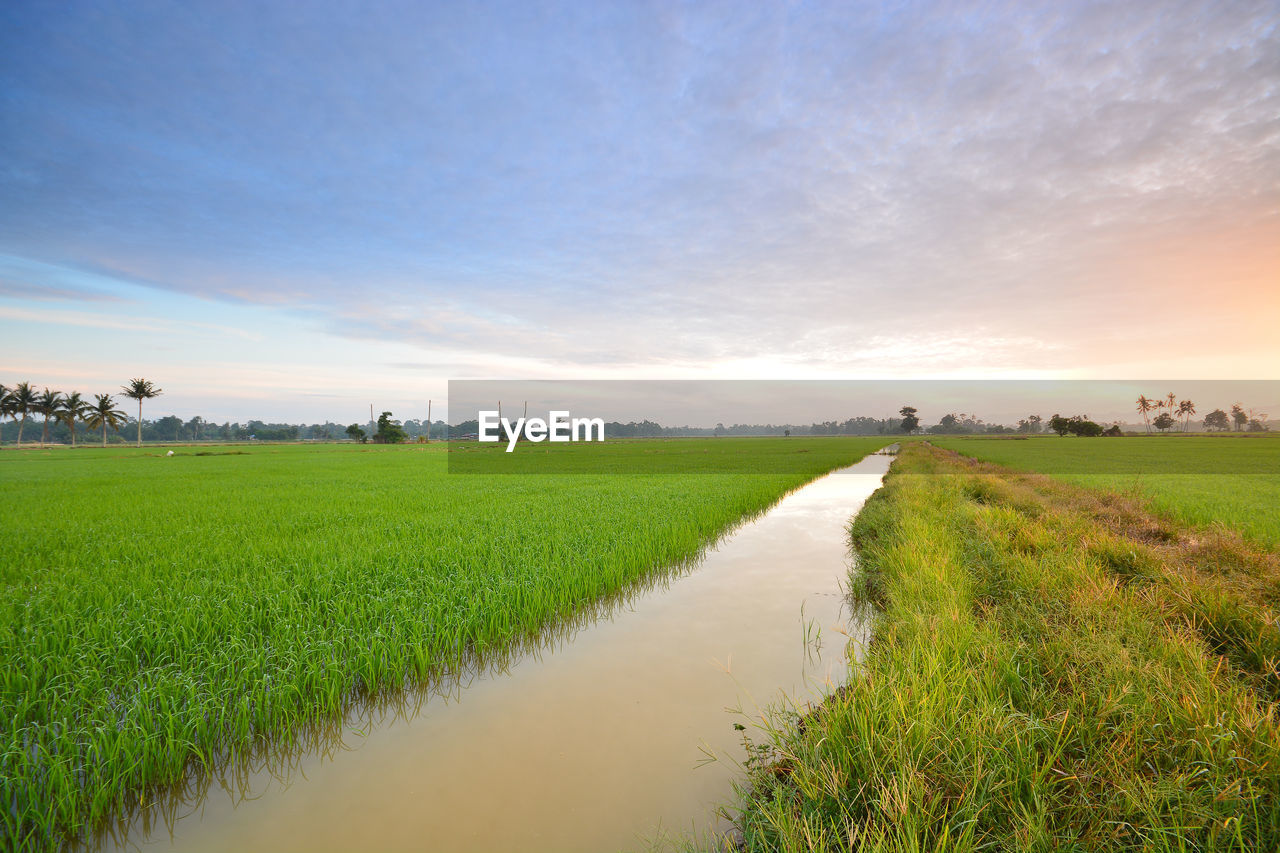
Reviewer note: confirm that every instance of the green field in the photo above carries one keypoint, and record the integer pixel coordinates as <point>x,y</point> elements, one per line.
<point>163,611</point>
<point>1233,480</point>
<point>1052,668</point>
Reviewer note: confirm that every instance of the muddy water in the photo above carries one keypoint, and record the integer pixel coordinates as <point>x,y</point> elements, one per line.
<point>596,743</point>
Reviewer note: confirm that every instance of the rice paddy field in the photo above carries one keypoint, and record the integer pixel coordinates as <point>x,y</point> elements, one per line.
<point>1204,480</point>
<point>164,613</point>
<point>1054,665</point>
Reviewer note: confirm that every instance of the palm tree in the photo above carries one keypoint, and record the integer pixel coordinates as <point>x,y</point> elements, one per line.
<point>1144,408</point>
<point>6,405</point>
<point>1185,410</point>
<point>141,389</point>
<point>47,404</point>
<point>24,402</point>
<point>1172,401</point>
<point>73,409</point>
<point>104,413</point>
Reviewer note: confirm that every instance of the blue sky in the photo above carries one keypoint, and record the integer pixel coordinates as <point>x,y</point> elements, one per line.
<point>284,210</point>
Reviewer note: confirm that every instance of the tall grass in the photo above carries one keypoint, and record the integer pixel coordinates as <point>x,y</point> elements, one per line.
<point>1023,691</point>
<point>159,612</point>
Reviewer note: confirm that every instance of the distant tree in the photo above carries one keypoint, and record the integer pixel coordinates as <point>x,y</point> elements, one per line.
<point>1237,414</point>
<point>1186,409</point>
<point>355,433</point>
<point>719,430</point>
<point>1163,421</point>
<point>140,389</point>
<point>909,420</point>
<point>389,430</point>
<point>1113,430</point>
<point>787,433</point>
<point>1081,425</point>
<point>1031,425</point>
<point>47,404</point>
<point>103,413</point>
<point>1144,408</point>
<point>168,428</point>
<point>73,409</point>
<point>1059,424</point>
<point>948,422</point>
<point>24,403</point>
<point>1217,420</point>
<point>1171,400</point>
<point>1259,424</point>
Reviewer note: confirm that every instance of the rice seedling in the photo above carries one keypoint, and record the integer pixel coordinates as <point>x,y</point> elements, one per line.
<point>164,613</point>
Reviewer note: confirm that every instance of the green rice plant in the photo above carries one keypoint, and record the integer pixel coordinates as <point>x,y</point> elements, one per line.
<point>162,615</point>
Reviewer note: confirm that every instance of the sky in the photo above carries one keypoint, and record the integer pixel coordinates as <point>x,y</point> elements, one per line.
<point>290,211</point>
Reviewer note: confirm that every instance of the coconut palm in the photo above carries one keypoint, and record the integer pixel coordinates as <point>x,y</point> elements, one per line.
<point>103,413</point>
<point>74,408</point>
<point>24,402</point>
<point>1144,408</point>
<point>141,389</point>
<point>47,404</point>
<point>1186,409</point>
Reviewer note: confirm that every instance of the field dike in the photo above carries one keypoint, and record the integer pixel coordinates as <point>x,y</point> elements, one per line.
<point>1053,668</point>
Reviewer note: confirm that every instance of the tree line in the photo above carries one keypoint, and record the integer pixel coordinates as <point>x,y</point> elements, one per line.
<point>966,424</point>
<point>22,401</point>
<point>64,417</point>
<point>61,413</point>
<point>1171,412</point>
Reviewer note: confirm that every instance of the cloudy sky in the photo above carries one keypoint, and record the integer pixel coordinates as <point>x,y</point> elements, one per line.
<point>288,211</point>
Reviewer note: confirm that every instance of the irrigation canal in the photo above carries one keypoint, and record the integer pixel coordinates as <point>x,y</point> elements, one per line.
<point>594,742</point>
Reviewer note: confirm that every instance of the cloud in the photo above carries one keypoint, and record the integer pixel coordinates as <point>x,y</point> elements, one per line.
<point>1004,185</point>
<point>120,322</point>
<point>10,289</point>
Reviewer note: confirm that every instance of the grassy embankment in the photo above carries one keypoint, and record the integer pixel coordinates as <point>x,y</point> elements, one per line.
<point>1053,668</point>
<point>160,612</point>
<point>1231,479</point>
